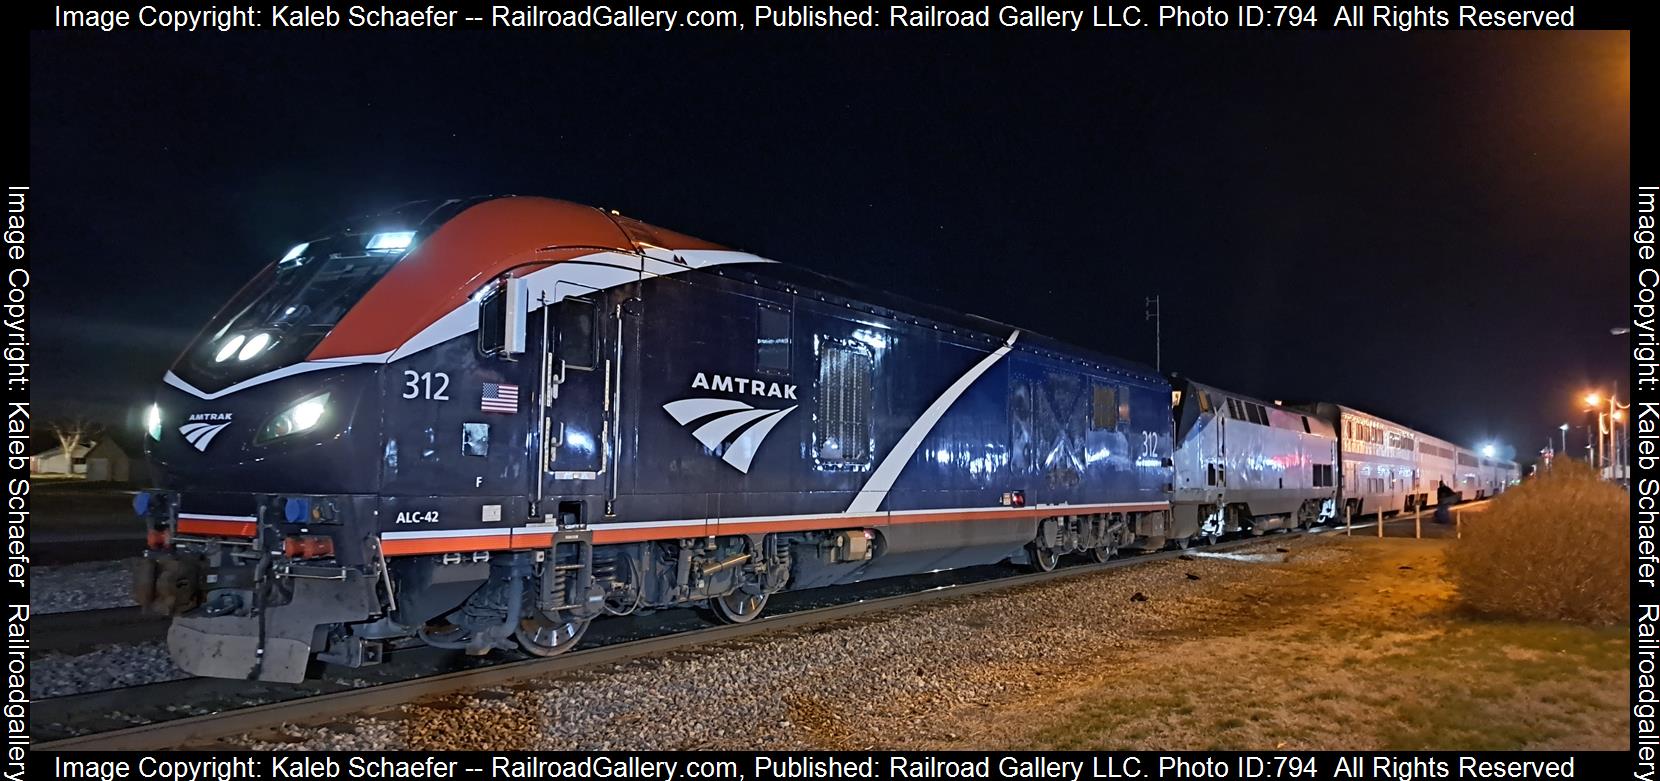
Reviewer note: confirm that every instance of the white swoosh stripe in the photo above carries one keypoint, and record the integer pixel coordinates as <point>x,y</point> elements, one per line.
<point>195,431</point>
<point>881,481</point>
<point>687,410</point>
<point>287,371</point>
<point>202,444</point>
<point>200,434</point>
<point>599,271</point>
<point>742,450</point>
<point>713,433</point>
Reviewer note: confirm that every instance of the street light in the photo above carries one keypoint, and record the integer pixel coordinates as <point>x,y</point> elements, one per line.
<point>1608,425</point>
<point>1488,450</point>
<point>1593,402</point>
<point>1564,428</point>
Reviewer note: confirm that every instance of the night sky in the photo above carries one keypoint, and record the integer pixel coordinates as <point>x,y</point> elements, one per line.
<point>1431,226</point>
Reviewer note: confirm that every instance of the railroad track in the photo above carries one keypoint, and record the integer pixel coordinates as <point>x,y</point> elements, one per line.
<point>81,630</point>
<point>323,700</point>
<point>244,706</point>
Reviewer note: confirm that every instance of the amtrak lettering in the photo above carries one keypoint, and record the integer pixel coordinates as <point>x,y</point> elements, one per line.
<point>721,382</point>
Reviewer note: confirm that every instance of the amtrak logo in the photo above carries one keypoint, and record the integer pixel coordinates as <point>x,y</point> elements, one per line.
<point>718,420</point>
<point>203,427</point>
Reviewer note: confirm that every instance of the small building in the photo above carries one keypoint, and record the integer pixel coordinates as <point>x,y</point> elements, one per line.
<point>53,461</point>
<point>100,460</point>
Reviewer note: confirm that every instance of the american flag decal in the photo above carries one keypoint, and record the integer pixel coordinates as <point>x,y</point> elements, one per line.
<point>499,397</point>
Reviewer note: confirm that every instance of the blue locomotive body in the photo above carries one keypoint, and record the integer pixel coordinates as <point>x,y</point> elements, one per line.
<point>486,423</point>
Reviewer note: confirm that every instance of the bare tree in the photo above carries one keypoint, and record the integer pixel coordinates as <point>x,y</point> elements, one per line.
<point>73,431</point>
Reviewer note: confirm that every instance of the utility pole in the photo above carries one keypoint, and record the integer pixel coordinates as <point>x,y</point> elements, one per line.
<point>1153,314</point>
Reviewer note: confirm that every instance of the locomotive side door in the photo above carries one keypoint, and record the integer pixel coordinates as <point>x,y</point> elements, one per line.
<point>574,406</point>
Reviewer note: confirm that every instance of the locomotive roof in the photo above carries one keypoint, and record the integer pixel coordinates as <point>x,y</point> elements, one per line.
<point>1292,410</point>
<point>892,305</point>
<point>467,242</point>
<point>1235,394</point>
<point>464,243</point>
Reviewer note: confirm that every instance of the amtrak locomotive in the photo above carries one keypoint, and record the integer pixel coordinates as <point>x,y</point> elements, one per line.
<point>485,423</point>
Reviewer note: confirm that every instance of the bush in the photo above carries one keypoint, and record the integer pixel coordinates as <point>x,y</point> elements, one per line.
<point>1556,547</point>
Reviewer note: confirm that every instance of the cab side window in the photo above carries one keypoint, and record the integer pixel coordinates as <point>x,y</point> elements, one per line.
<point>1103,407</point>
<point>576,333</point>
<point>772,339</point>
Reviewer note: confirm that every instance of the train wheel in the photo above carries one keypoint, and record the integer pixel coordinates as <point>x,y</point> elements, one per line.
<point>1042,559</point>
<point>738,607</point>
<point>540,637</point>
<point>1102,554</point>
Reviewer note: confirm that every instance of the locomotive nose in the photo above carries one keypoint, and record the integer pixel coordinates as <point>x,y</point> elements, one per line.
<point>308,432</point>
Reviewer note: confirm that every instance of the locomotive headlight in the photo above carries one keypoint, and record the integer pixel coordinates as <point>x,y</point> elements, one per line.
<point>301,417</point>
<point>152,421</point>
<point>391,241</point>
<point>228,348</point>
<point>255,345</point>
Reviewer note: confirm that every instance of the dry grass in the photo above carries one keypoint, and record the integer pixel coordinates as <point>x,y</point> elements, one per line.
<point>1371,651</point>
<point>1554,548</point>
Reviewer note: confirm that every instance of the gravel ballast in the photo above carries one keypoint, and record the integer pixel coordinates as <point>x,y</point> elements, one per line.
<point>857,683</point>
<point>105,667</point>
<point>90,585</point>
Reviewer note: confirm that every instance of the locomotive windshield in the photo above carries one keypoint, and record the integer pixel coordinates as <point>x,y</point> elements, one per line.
<point>277,318</point>
<point>309,292</point>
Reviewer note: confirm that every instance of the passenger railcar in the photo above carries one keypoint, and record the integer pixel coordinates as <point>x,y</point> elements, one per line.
<point>1245,464</point>
<point>1438,469</point>
<point>487,422</point>
<point>1470,478</point>
<point>1388,468</point>
<point>1378,460</point>
<point>1495,475</point>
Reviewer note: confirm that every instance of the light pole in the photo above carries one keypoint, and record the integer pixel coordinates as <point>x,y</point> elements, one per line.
<point>1564,428</point>
<point>1616,417</point>
<point>1594,401</point>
